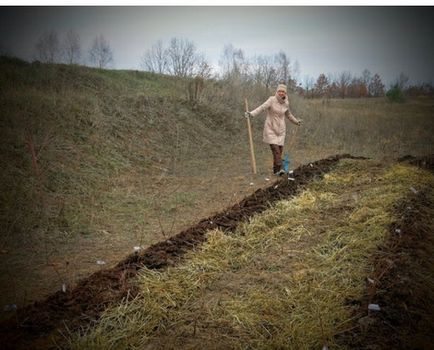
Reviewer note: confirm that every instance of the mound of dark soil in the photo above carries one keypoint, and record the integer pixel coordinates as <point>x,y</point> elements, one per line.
<point>402,281</point>
<point>426,162</point>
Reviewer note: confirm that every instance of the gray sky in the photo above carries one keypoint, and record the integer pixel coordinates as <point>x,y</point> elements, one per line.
<point>387,40</point>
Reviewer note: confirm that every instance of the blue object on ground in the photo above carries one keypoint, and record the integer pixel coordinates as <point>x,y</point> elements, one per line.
<point>286,163</point>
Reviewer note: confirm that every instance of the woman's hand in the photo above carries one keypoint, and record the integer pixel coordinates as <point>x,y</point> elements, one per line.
<point>247,115</point>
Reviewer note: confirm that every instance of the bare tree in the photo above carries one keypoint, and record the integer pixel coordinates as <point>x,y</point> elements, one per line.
<point>269,71</point>
<point>333,89</point>
<point>155,59</point>
<point>263,71</point>
<point>100,53</point>
<point>402,81</point>
<point>321,87</point>
<point>182,57</point>
<point>255,70</point>
<point>366,80</point>
<point>47,47</point>
<point>203,68</point>
<point>366,77</point>
<point>376,86</point>
<point>233,63</point>
<point>72,47</point>
<point>283,66</point>
<point>309,85</point>
<point>226,61</point>
<point>296,71</point>
<point>343,82</point>
<point>357,88</point>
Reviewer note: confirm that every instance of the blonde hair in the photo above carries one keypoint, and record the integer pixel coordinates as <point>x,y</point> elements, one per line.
<point>281,87</point>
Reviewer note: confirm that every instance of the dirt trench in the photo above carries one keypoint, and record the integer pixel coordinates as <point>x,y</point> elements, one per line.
<point>400,284</point>
<point>33,327</point>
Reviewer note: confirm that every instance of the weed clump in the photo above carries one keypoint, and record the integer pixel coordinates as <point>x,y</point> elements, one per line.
<point>395,94</point>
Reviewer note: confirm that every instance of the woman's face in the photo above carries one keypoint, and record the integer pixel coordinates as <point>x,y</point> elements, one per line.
<point>282,94</point>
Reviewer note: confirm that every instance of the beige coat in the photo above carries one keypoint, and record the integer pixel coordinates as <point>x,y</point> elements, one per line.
<point>275,126</point>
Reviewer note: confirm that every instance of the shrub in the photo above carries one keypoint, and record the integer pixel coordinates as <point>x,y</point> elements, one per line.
<point>395,94</point>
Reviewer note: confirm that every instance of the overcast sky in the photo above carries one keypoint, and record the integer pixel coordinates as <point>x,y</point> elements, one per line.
<point>387,40</point>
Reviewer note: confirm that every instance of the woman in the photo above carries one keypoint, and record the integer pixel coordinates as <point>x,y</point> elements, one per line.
<point>277,108</point>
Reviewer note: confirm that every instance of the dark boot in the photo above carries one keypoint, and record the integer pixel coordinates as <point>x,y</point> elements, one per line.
<point>277,170</point>
<point>277,159</point>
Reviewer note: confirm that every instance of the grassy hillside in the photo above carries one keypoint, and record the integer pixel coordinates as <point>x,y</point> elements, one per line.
<point>87,160</point>
<point>95,161</point>
<point>86,127</point>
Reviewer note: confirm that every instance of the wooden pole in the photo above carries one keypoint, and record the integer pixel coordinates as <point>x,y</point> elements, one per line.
<point>291,142</point>
<point>252,151</point>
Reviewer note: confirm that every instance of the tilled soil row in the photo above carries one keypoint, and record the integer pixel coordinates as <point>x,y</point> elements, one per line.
<point>425,162</point>
<point>400,282</point>
<point>84,303</point>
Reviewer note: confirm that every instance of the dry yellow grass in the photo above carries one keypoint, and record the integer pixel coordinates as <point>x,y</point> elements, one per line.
<point>106,138</point>
<point>282,280</point>
<point>369,127</point>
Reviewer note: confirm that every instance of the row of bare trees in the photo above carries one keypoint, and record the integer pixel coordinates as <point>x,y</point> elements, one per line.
<point>266,70</point>
<point>50,49</point>
<point>180,58</point>
<point>366,85</point>
<point>343,85</point>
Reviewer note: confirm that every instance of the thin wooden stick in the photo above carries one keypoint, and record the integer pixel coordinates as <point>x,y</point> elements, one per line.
<point>292,140</point>
<point>252,151</point>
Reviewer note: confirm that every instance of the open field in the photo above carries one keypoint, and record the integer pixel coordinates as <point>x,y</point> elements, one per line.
<point>97,162</point>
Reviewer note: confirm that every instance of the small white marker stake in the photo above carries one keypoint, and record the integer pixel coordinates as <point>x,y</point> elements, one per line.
<point>374,307</point>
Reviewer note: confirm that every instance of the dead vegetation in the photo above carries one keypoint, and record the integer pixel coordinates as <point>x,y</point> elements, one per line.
<point>78,306</point>
<point>87,178</point>
<point>293,277</point>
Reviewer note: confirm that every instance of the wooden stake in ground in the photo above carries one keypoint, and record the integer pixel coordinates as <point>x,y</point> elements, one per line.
<point>252,151</point>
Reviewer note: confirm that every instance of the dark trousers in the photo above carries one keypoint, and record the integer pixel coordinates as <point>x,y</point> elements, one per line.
<point>277,157</point>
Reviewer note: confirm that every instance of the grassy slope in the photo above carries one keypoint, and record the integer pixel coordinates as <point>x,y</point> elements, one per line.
<point>109,146</point>
<point>291,278</point>
<point>87,127</point>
